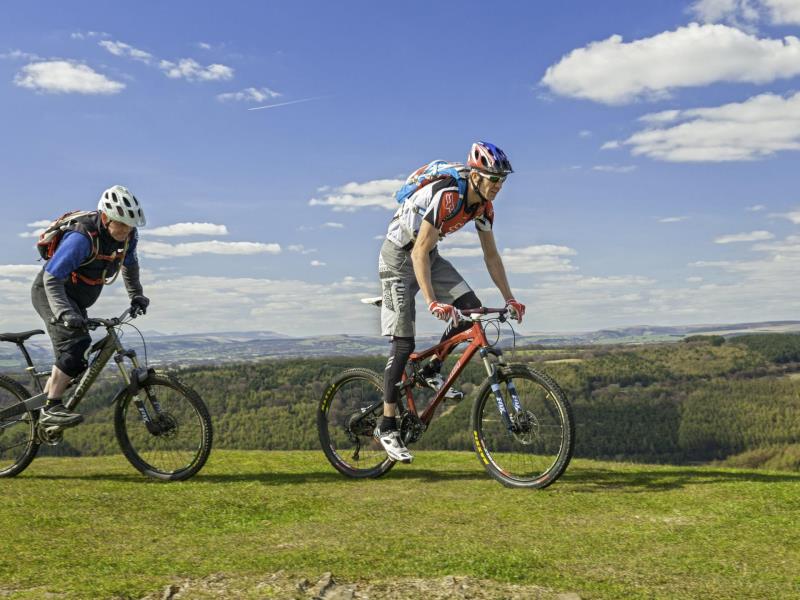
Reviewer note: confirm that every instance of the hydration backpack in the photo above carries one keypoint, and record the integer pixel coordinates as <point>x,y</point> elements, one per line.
<point>433,171</point>
<point>52,235</point>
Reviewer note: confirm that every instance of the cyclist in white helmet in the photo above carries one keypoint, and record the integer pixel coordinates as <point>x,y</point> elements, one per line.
<point>409,262</point>
<point>95,247</point>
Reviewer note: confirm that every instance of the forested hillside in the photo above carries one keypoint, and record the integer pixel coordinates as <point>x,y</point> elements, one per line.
<point>702,399</point>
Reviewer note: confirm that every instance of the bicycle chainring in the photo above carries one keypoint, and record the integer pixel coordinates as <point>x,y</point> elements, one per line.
<point>411,428</point>
<point>53,437</point>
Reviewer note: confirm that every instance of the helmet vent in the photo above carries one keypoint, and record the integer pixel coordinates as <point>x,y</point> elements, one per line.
<point>120,212</point>
<point>126,201</point>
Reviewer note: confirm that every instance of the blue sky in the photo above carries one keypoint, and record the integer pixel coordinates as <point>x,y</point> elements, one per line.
<point>655,147</point>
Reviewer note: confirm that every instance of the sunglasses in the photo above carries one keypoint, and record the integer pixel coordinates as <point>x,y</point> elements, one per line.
<point>492,178</point>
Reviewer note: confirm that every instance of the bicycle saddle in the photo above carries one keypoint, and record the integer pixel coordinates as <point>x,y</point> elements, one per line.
<point>18,338</point>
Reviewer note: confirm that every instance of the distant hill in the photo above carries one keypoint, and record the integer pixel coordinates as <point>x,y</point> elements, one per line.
<point>243,346</point>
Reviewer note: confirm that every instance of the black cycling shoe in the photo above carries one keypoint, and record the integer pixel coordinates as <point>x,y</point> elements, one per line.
<point>58,415</point>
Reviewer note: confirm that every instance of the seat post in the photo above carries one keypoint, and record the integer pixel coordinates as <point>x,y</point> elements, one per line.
<point>21,346</point>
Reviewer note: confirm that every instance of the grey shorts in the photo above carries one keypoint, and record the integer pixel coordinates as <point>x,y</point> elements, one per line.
<point>70,346</point>
<point>399,287</point>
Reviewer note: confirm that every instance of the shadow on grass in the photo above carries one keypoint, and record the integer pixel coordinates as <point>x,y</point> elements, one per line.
<point>269,478</point>
<point>589,480</point>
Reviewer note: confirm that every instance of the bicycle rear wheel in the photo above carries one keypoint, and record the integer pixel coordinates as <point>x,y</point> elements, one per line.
<point>538,449</point>
<point>177,443</point>
<point>346,417</point>
<point>18,445</point>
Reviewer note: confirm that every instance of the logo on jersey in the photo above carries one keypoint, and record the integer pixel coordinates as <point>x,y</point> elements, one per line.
<point>449,202</point>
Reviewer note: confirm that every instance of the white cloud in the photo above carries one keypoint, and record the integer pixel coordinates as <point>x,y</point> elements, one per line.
<point>711,264</point>
<point>694,279</point>
<point>793,216</point>
<point>353,196</point>
<point>23,271</point>
<point>332,225</point>
<point>317,263</point>
<point>191,70</point>
<point>614,168</point>
<point>125,50</point>
<point>250,94</point>
<point>753,236</point>
<point>301,249</point>
<point>613,72</point>
<point>745,12</point>
<point>162,250</point>
<point>186,229</point>
<point>546,258</point>
<point>31,234</point>
<point>759,127</point>
<point>204,46</point>
<point>611,145</point>
<point>83,35</point>
<point>19,55</point>
<point>756,208</point>
<point>65,77</point>
<point>584,133</point>
<point>672,219</point>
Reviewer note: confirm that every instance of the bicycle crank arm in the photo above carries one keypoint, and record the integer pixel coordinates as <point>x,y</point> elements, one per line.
<point>15,410</point>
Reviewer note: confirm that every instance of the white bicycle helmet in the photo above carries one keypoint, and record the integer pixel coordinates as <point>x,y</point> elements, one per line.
<point>118,204</point>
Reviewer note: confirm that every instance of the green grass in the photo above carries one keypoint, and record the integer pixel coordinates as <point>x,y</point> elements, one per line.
<point>92,527</point>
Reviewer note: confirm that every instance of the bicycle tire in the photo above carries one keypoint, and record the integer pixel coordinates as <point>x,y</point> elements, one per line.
<point>177,401</point>
<point>538,453</point>
<point>12,392</point>
<point>348,392</point>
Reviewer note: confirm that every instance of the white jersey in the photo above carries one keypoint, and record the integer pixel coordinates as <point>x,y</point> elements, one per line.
<point>440,205</point>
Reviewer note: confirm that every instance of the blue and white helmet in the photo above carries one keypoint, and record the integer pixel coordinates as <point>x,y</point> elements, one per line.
<point>119,204</point>
<point>488,158</point>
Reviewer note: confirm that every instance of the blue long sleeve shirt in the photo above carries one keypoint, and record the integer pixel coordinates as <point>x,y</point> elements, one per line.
<point>74,249</point>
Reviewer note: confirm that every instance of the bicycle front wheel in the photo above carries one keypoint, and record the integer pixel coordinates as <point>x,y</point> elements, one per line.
<point>346,418</point>
<point>538,448</point>
<point>18,445</point>
<point>176,443</point>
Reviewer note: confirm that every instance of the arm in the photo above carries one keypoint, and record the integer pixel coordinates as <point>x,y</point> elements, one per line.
<point>494,264</point>
<point>427,239</point>
<point>130,270</point>
<point>72,251</point>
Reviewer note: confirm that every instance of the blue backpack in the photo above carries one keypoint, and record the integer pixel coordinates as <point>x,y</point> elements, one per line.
<point>433,171</point>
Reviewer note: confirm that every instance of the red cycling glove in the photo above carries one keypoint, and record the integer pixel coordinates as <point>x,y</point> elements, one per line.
<point>443,311</point>
<point>517,309</point>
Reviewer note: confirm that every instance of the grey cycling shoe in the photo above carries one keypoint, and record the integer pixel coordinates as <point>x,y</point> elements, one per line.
<point>58,415</point>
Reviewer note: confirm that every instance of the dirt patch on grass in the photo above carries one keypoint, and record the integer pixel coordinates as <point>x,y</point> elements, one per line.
<point>326,587</point>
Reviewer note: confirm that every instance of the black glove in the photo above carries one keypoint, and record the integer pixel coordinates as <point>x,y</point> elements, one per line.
<point>73,320</point>
<point>139,305</point>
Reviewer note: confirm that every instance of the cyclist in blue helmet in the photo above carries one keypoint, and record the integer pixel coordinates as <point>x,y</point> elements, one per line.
<point>410,262</point>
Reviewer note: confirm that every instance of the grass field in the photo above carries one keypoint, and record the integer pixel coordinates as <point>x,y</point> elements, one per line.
<point>93,527</point>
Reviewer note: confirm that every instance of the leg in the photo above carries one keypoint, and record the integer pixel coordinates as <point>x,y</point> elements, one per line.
<point>70,348</point>
<point>399,286</point>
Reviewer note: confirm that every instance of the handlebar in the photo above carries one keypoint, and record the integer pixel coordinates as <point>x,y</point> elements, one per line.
<point>475,314</point>
<point>92,324</point>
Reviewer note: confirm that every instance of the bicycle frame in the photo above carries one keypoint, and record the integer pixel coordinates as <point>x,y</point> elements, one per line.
<point>105,349</point>
<point>478,344</point>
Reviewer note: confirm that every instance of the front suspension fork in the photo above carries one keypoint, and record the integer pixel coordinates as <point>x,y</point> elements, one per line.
<point>134,381</point>
<point>491,370</point>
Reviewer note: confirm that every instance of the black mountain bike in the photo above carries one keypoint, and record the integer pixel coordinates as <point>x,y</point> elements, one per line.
<point>162,426</point>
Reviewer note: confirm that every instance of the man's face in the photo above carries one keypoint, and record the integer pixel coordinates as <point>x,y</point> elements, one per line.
<point>486,186</point>
<point>118,231</point>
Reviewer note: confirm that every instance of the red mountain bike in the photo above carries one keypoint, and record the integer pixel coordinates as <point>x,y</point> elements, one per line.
<point>522,426</point>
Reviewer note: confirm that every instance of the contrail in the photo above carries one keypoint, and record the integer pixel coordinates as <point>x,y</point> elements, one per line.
<point>287,103</point>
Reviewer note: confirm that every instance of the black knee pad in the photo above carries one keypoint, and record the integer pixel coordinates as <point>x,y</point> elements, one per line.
<point>72,361</point>
<point>466,301</point>
<point>402,347</point>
